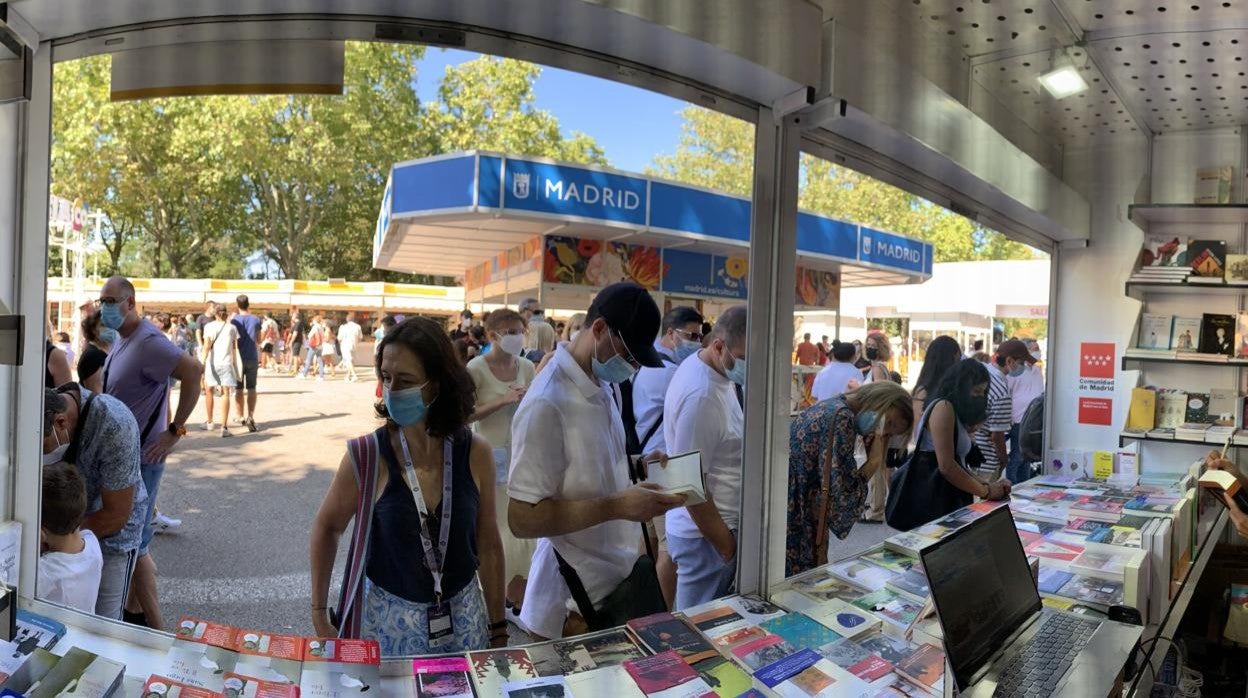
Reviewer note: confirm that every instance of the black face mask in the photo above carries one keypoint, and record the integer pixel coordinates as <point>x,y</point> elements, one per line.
<point>872,353</point>
<point>971,409</point>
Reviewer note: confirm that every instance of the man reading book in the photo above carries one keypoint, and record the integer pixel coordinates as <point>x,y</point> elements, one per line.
<point>1216,461</point>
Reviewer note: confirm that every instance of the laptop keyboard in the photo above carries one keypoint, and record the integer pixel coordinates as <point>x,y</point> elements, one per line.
<point>1044,660</point>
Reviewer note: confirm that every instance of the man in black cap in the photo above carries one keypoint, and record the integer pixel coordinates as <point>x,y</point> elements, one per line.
<point>568,483</point>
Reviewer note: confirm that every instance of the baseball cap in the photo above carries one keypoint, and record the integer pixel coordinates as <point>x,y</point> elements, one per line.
<point>628,309</point>
<point>1015,349</point>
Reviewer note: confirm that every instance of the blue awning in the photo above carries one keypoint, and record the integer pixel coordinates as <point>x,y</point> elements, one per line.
<point>444,214</point>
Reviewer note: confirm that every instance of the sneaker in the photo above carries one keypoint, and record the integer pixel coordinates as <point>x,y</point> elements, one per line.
<point>225,433</point>
<point>164,524</point>
<point>251,424</point>
<point>209,426</point>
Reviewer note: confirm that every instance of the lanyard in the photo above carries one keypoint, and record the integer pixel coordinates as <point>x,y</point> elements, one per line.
<point>438,562</point>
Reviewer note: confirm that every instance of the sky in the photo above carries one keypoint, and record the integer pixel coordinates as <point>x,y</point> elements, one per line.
<point>631,124</point>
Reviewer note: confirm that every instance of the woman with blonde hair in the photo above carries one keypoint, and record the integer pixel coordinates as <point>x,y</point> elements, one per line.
<point>827,484</point>
<point>575,323</point>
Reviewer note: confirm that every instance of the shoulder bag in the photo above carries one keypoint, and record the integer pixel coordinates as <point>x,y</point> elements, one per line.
<point>348,613</point>
<point>918,492</point>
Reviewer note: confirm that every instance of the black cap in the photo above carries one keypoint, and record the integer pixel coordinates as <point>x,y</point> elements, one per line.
<point>628,309</point>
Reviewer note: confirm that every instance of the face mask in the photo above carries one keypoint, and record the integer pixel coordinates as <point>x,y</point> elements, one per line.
<point>1018,371</point>
<point>613,370</point>
<point>511,343</point>
<point>111,315</point>
<point>406,407</point>
<point>685,349</point>
<point>872,353</point>
<point>736,374</point>
<point>865,421</point>
<point>57,453</point>
<point>108,335</point>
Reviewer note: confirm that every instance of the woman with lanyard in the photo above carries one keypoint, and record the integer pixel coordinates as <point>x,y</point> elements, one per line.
<point>424,572</point>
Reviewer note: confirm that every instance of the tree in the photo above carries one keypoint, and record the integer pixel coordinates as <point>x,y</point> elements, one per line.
<point>716,151</point>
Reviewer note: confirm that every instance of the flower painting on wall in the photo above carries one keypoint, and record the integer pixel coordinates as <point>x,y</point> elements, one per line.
<point>586,262</point>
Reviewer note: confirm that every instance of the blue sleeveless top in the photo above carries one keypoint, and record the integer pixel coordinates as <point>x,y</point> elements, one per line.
<point>396,558</point>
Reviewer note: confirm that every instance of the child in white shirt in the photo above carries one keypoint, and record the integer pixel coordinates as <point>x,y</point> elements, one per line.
<point>71,563</point>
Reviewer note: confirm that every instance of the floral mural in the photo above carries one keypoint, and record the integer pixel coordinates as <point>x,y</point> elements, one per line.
<point>586,262</point>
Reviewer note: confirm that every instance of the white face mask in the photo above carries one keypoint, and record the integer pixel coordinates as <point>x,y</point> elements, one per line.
<point>511,343</point>
<point>58,453</point>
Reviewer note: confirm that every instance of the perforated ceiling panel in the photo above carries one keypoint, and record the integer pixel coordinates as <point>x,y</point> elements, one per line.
<point>1152,65</point>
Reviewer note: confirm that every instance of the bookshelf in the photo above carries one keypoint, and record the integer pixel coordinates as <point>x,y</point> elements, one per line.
<point>1189,362</point>
<point>1207,214</point>
<point>1124,437</point>
<point>1140,289</point>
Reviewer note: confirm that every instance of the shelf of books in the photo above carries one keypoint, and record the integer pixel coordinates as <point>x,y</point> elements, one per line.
<point>1209,214</point>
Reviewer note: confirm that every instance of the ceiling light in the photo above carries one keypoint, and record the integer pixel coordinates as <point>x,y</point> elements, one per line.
<point>1063,82</point>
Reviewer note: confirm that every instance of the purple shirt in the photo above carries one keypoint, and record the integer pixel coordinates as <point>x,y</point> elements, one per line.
<point>137,372</point>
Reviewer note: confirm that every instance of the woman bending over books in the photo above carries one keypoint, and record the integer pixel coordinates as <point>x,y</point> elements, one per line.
<point>424,571</point>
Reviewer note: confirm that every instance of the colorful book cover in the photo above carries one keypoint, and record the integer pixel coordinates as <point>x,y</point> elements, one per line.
<point>1217,334</point>
<point>1097,563</point>
<point>862,574</point>
<point>825,588</point>
<point>891,560</point>
<point>806,674</point>
<point>926,666</point>
<point>583,653</point>
<point>757,654</point>
<point>340,667</point>
<point>442,677</point>
<point>1241,336</point>
<point>716,621</point>
<point>541,687</point>
<point>1237,269</point>
<point>1118,535</point>
<point>844,653</point>
<point>1101,592</point>
<point>34,630</point>
<point>1163,251</point>
<point>890,606</point>
<point>1197,411</point>
<point>245,686</point>
<point>1054,551</point>
<point>158,686</point>
<point>891,649</point>
<point>1207,258</point>
<point>751,608</point>
<point>1052,580</point>
<point>848,620</point>
<point>491,669</point>
<point>1085,526</point>
<point>1155,331</point>
<point>725,678</point>
<point>1186,336</point>
<point>661,632</point>
<point>663,673</point>
<point>914,583</point>
<point>801,631</point>
<point>738,637</point>
<point>268,657</point>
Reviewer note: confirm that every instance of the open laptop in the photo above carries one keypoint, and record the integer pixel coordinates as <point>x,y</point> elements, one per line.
<point>999,638</point>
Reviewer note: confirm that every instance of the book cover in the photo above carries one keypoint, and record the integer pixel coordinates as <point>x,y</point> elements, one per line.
<point>913,584</point>
<point>661,632</point>
<point>666,674</point>
<point>493,668</point>
<point>909,543</point>
<point>1155,331</point>
<point>795,601</point>
<point>158,686</point>
<point>847,619</point>
<point>442,677</point>
<point>336,667</point>
<point>1207,258</point>
<point>34,630</point>
<point>583,653</point>
<point>1217,334</point>
<point>891,607</point>
<point>1214,185</point>
<point>1224,407</point>
<point>198,664</point>
<point>757,654</point>
<point>891,649</point>
<point>80,673</point>
<point>891,560</point>
<point>808,675</point>
<point>1197,411</point>
<point>541,687</point>
<point>1163,251</point>
<point>1050,550</point>
<point>604,681</point>
<point>738,637</point>
<point>1051,579</point>
<point>1118,535</point>
<point>925,666</point>
<point>1186,334</point>
<point>244,686</point>
<point>752,608</point>
<point>725,678</point>
<point>824,587</point>
<point>844,653</point>
<point>1142,414</point>
<point>681,475</point>
<point>1101,592</point>
<point>862,574</point>
<point>268,657</point>
<point>717,621</point>
<point>1237,268</point>
<point>801,630</point>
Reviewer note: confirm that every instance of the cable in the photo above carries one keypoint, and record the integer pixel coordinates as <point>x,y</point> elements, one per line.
<point>1190,682</point>
<point>1153,669</point>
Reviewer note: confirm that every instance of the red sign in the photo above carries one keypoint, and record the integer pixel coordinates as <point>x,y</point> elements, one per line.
<point>1096,360</point>
<point>1098,411</point>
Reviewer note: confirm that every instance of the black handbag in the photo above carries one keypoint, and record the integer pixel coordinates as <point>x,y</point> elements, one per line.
<point>918,493</point>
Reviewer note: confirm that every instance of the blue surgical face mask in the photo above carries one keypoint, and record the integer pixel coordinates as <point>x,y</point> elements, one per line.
<point>685,349</point>
<point>865,421</point>
<point>406,407</point>
<point>616,369</point>
<point>108,335</point>
<point>111,315</point>
<point>736,374</point>
<point>1018,370</point>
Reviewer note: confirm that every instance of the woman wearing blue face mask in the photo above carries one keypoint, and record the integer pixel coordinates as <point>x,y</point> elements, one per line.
<point>425,569</point>
<point>99,341</point>
<point>827,486</point>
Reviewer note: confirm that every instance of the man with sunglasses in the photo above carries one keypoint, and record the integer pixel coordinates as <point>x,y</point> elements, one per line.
<point>137,372</point>
<point>569,477</point>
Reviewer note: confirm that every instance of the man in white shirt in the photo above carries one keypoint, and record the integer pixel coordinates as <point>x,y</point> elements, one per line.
<point>1023,390</point>
<point>349,334</point>
<point>839,375</point>
<point>568,484</point>
<point>702,414</point>
<point>1011,360</point>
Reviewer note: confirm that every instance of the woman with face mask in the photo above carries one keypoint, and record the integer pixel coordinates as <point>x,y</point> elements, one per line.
<point>570,330</point>
<point>877,353</point>
<point>827,484</point>
<point>937,480</point>
<point>424,572</point>
<point>99,340</point>
<point>501,378</point>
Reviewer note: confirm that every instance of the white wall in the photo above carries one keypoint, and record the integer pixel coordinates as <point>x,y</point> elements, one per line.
<point>9,134</point>
<point>1090,296</point>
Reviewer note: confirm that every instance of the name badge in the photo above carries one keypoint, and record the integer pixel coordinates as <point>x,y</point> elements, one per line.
<point>441,628</point>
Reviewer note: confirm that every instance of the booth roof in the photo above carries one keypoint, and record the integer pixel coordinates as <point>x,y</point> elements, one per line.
<point>1005,288</point>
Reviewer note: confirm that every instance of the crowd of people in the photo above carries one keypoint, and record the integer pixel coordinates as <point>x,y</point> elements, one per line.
<point>507,480</point>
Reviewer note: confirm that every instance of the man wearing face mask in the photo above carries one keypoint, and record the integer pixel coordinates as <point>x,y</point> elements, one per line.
<point>137,373</point>
<point>98,434</point>
<point>702,414</point>
<point>1011,360</point>
<point>569,478</point>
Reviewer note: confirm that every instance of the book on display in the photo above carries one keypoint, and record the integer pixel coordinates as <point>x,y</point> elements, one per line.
<point>724,676</point>
<point>605,681</point>
<point>926,666</point>
<point>909,543</point>
<point>1236,269</point>
<point>541,687</point>
<point>1217,334</point>
<point>661,632</point>
<point>753,609</point>
<point>244,686</point>
<point>1052,579</point>
<point>890,607</point>
<point>335,667</point>
<point>1142,414</point>
<point>802,631</point>
<point>157,685</point>
<point>1214,185</point>
<point>1163,251</point>
<point>442,677</point>
<point>862,574</point>
<point>80,673</point>
<point>1207,258</point>
<point>1155,331</point>
<point>1057,554</point>
<point>1097,593</point>
<point>912,584</point>
<point>1226,407</point>
<point>795,601</point>
<point>1197,411</point>
<point>583,652</point>
<point>738,637</point>
<point>822,586</point>
<point>493,668</point>
<point>891,560</point>
<point>268,657</point>
<point>856,659</point>
<point>1186,334</point>
<point>807,674</point>
<point>200,654</point>
<point>716,621</point>
<point>681,475</point>
<point>849,620</point>
<point>756,654</point>
<point>667,675</point>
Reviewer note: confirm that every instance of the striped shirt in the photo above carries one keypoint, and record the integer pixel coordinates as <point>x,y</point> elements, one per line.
<point>1000,415</point>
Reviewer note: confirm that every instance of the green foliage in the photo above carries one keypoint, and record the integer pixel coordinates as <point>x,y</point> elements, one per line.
<point>194,186</point>
<point>1026,328</point>
<point>716,151</point>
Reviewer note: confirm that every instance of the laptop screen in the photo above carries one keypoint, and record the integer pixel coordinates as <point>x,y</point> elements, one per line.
<point>983,590</point>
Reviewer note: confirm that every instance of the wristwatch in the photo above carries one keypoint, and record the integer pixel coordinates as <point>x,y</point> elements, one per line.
<point>177,430</point>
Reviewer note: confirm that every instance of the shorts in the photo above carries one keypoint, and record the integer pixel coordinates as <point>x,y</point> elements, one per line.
<point>151,473</point>
<point>220,376</point>
<point>250,370</point>
<point>296,348</point>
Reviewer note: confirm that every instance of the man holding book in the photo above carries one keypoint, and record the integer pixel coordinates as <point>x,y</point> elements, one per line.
<point>1216,460</point>
<point>702,414</point>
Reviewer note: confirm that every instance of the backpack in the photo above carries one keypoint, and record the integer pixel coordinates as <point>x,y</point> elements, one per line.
<point>1031,431</point>
<point>635,444</point>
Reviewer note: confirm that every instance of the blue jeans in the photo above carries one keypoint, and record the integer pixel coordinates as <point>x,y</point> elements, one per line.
<point>1016,470</point>
<point>151,474</point>
<point>313,353</point>
<point>701,574</point>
